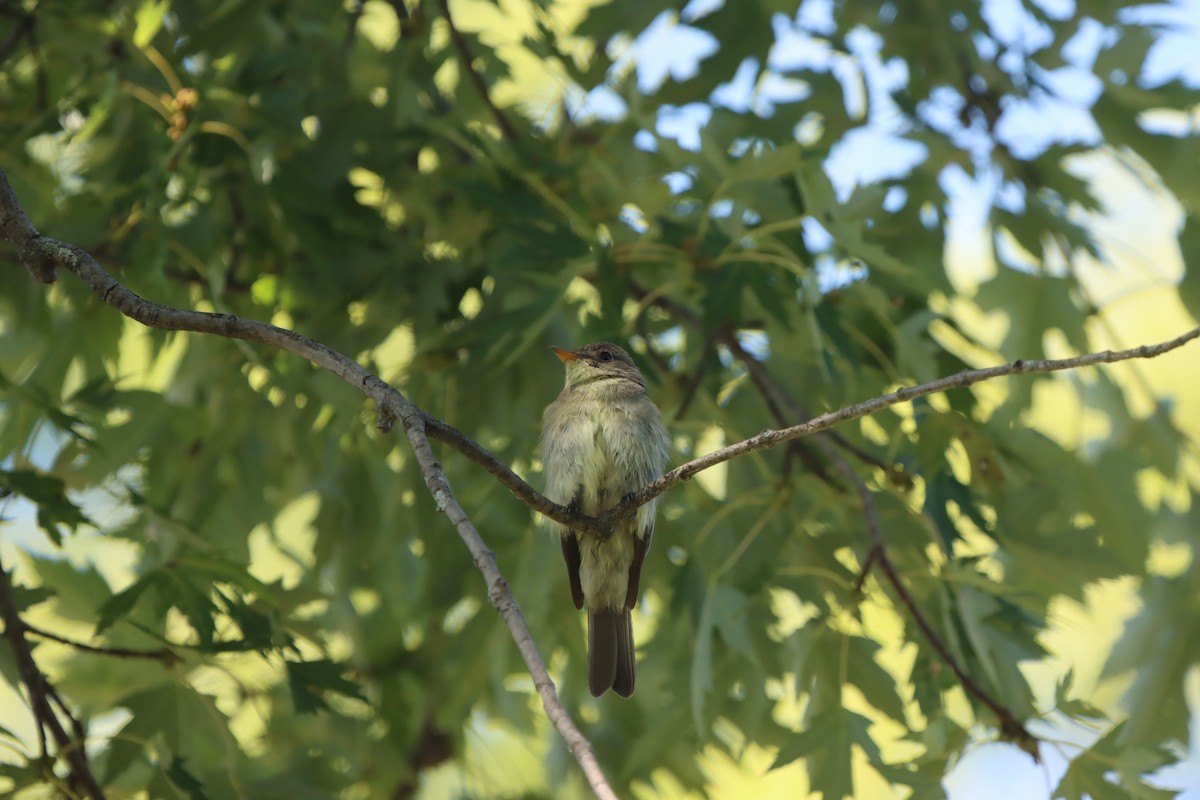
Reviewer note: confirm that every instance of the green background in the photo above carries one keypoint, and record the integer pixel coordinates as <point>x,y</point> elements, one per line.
<point>336,170</point>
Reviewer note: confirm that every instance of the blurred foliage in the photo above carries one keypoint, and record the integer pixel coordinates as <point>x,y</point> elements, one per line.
<point>333,168</point>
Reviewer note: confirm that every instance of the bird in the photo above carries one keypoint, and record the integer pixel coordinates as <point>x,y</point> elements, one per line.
<point>602,439</point>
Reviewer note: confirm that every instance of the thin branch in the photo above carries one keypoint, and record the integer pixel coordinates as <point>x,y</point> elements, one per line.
<point>41,255</point>
<point>896,473</point>
<point>468,62</point>
<point>76,725</point>
<point>40,691</point>
<point>771,438</point>
<point>164,655</point>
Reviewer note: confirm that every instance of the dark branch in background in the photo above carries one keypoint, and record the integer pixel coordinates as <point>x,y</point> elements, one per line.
<point>775,394</point>
<point>43,92</point>
<point>864,571</point>
<point>41,255</point>
<point>652,353</point>
<point>693,384</point>
<point>166,656</point>
<point>896,474</point>
<point>23,26</point>
<point>40,693</point>
<point>1011,727</point>
<point>400,9</point>
<point>468,63</point>
<point>355,15</point>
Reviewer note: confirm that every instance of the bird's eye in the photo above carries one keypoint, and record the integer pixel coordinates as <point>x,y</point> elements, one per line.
<point>605,355</point>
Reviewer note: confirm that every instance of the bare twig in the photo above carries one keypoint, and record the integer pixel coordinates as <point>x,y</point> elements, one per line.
<point>40,692</point>
<point>771,438</point>
<point>468,62</point>
<point>41,255</point>
<point>163,654</point>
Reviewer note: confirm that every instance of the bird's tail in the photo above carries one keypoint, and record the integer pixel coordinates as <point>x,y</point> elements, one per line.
<point>610,652</point>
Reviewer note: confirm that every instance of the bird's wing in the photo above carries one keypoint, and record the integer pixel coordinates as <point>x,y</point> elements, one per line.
<point>641,545</point>
<point>570,549</point>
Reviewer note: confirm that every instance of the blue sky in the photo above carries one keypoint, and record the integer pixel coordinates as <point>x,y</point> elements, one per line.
<point>670,49</point>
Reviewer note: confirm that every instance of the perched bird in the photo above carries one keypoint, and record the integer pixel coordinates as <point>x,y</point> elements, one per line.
<point>603,439</point>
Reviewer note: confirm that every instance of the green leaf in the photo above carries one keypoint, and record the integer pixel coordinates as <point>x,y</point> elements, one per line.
<point>193,602</point>
<point>184,780</point>
<point>25,597</point>
<point>1074,707</point>
<point>1157,707</point>
<point>876,684</point>
<point>1033,304</point>
<point>729,614</point>
<point>77,592</point>
<point>1090,773</point>
<point>121,603</point>
<point>825,745</point>
<point>149,19</point>
<point>49,494</point>
<point>1189,246</point>
<point>310,680</point>
<point>153,712</point>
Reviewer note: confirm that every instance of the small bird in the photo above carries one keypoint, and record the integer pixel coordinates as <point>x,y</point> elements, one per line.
<point>602,440</point>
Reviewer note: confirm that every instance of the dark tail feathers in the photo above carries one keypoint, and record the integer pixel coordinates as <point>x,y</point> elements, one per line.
<point>610,652</point>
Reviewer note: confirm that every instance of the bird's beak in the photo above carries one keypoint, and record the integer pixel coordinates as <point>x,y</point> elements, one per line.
<point>564,355</point>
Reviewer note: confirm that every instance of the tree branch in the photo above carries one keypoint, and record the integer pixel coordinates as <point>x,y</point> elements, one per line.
<point>770,438</point>
<point>40,691</point>
<point>41,255</point>
<point>166,656</point>
<point>468,62</point>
